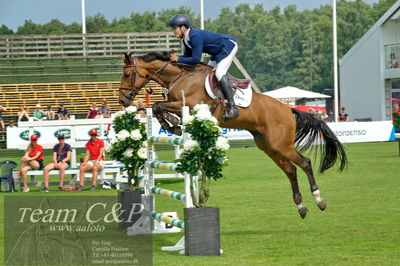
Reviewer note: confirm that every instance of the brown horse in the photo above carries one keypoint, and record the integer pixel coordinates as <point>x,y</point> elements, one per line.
<point>275,127</point>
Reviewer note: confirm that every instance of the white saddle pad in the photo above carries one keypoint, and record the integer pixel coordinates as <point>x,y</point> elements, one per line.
<point>242,97</point>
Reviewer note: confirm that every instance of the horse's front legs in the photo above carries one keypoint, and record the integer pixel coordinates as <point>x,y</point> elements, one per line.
<point>163,112</point>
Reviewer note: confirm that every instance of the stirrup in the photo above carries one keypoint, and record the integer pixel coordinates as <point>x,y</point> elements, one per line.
<point>231,112</point>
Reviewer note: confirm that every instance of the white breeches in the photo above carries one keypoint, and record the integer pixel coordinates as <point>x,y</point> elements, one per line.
<point>222,67</point>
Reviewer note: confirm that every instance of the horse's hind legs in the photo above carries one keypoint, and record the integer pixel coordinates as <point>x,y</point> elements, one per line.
<point>287,167</point>
<point>305,164</point>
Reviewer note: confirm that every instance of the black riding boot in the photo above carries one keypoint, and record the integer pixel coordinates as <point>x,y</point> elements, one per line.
<point>232,111</point>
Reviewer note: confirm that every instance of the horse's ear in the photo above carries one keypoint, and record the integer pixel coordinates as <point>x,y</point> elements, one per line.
<point>126,58</point>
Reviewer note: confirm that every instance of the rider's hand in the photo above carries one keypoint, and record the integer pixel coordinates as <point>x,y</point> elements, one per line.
<point>173,57</point>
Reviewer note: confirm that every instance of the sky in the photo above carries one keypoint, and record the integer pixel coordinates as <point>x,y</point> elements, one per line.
<point>13,13</point>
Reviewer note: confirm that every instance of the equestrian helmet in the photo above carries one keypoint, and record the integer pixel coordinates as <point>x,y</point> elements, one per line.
<point>179,20</point>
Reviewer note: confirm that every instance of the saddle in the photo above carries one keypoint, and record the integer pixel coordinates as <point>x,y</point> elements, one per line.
<point>235,82</point>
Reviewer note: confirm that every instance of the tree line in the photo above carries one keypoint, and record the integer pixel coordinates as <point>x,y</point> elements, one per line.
<point>278,47</point>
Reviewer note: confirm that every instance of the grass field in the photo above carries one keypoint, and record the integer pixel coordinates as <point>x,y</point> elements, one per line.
<point>260,224</point>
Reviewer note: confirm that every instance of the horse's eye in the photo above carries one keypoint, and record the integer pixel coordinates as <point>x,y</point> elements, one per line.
<point>126,75</point>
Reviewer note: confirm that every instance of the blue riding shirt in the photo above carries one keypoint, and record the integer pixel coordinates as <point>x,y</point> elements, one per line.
<point>217,45</point>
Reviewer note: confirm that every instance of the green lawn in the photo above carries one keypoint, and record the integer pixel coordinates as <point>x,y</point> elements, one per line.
<point>260,224</point>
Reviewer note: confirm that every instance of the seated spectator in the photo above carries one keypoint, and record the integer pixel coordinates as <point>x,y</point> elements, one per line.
<point>38,114</point>
<point>343,116</point>
<point>93,112</point>
<point>11,124</point>
<point>61,160</point>
<point>23,114</point>
<point>62,112</point>
<point>33,159</point>
<point>2,109</point>
<point>50,114</point>
<point>331,116</point>
<point>93,159</point>
<point>104,110</point>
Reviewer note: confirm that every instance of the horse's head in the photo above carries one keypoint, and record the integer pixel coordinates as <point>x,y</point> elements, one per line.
<point>137,72</point>
<point>134,77</point>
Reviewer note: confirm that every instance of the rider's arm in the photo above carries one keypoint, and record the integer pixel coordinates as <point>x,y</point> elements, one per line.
<point>197,50</point>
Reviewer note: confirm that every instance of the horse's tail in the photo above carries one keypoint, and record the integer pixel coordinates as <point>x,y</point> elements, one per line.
<point>309,131</point>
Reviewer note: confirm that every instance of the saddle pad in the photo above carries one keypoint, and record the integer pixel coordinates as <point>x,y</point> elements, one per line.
<point>242,97</point>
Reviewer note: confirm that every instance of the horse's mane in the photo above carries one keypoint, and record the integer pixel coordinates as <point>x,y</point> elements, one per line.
<point>164,56</point>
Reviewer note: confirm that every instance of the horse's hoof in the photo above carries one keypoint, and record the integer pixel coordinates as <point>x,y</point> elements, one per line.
<point>322,204</point>
<point>303,212</point>
<point>177,131</point>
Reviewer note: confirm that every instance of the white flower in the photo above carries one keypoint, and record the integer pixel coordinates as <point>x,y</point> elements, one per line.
<point>131,109</point>
<point>133,181</point>
<point>145,144</point>
<point>142,153</point>
<point>128,153</point>
<point>203,115</point>
<point>123,135</point>
<point>222,144</point>
<point>190,145</point>
<point>136,135</point>
<point>200,107</point>
<point>213,119</point>
<point>187,119</point>
<point>108,147</point>
<point>119,113</point>
<point>222,160</point>
<point>178,153</point>
<point>113,141</point>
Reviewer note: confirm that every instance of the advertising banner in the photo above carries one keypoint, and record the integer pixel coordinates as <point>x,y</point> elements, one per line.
<point>348,132</point>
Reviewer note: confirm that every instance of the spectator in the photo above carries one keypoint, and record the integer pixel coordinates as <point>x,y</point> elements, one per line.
<point>312,112</point>
<point>50,114</point>
<point>324,117</point>
<point>23,114</point>
<point>2,109</point>
<point>104,110</point>
<point>33,159</point>
<point>61,160</point>
<point>141,107</point>
<point>331,116</point>
<point>62,112</point>
<point>11,124</point>
<point>38,114</point>
<point>93,112</point>
<point>343,116</point>
<point>93,159</point>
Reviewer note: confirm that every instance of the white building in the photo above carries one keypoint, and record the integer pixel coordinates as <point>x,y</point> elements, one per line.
<point>370,70</point>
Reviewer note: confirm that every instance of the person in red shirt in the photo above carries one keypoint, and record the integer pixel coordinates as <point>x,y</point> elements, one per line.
<point>93,159</point>
<point>33,159</point>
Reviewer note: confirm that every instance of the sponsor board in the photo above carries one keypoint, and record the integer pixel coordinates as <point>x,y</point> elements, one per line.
<point>346,132</point>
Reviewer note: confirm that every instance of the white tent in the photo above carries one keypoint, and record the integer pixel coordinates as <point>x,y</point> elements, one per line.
<point>290,94</point>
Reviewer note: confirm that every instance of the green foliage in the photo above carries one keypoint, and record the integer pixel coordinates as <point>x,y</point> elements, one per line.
<point>204,152</point>
<point>128,147</point>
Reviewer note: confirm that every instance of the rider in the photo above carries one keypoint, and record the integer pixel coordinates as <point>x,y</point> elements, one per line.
<point>222,49</point>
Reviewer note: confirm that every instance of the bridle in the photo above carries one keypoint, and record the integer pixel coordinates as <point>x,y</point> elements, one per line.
<point>133,89</point>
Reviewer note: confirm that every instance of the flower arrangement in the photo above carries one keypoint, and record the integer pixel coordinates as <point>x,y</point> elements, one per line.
<point>204,152</point>
<point>129,144</point>
<point>396,119</point>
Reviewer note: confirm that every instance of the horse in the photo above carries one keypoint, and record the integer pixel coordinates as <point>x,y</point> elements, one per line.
<point>276,128</point>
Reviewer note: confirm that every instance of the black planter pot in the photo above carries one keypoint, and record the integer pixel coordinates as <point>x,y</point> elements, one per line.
<point>202,232</point>
<point>127,198</point>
